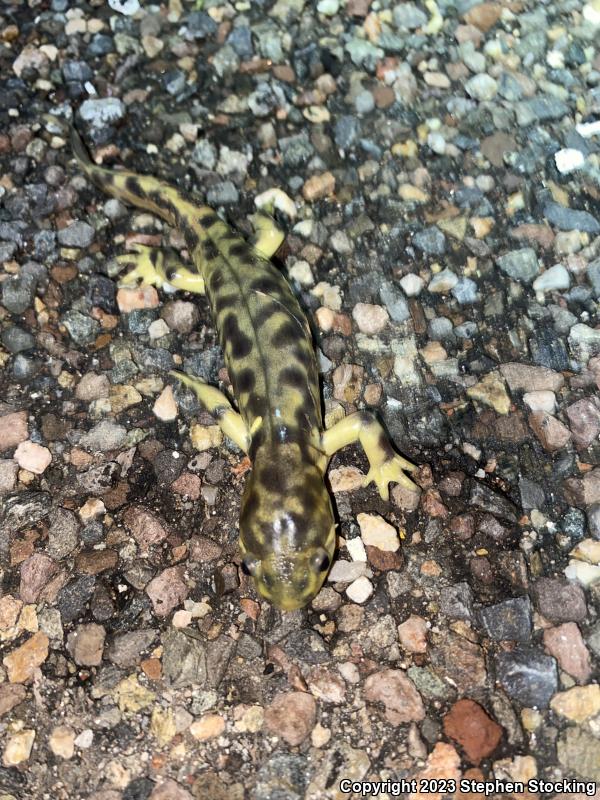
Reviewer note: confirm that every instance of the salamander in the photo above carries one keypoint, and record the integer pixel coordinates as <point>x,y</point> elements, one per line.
<point>287,525</point>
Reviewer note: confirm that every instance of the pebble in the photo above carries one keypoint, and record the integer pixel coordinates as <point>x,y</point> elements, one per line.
<point>33,457</point>
<point>491,391</point>
<point>129,300</point>
<point>165,407</point>
<point>104,436</point>
<point>569,219</point>
<point>102,111</point>
<point>86,644</point>
<point>553,279</point>
<point>431,241</point>
<point>77,234</point>
<point>559,600</point>
<point>482,87</point>
<point>527,676</point>
<point>13,430</point>
<point>145,527</point>
<point>209,726</point>
<point>62,742</point>
<point>318,187</point>
<point>18,748</point>
<point>412,634</point>
<point>567,160</point>
<point>468,724</point>
<point>443,282</point>
<point>17,340</point>
<point>411,284</point>
<point>167,590</point>
<point>540,401</point>
<point>370,319</point>
<point>291,716</point>
<point>510,619</point>
<point>520,265</point>
<point>577,704</point>
<point>360,589</point>
<point>181,316</point>
<point>397,693</point>
<point>375,531</point>
<point>21,664</point>
<point>550,431</point>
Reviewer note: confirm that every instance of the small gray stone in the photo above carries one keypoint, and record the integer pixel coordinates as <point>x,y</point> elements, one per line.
<point>593,273</point>
<point>221,194</point>
<point>570,219</point>
<point>593,519</point>
<point>184,659</point>
<point>430,241</point>
<point>520,265</point>
<point>77,234</point>
<point>346,131</point>
<point>456,601</point>
<point>63,536</point>
<point>82,329</point>
<point>106,435</point>
<point>127,649</point>
<point>284,776</point>
<point>559,600</point>
<point>102,111</point>
<point>465,291</point>
<point>18,292</point>
<point>17,340</point>
<point>395,302</point>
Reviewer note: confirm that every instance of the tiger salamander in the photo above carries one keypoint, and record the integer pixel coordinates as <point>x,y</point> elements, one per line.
<point>287,526</point>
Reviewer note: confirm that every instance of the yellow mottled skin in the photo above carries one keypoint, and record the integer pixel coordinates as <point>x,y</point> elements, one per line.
<point>287,527</point>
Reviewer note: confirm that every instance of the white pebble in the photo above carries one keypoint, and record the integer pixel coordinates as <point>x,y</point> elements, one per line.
<point>346,571</point>
<point>568,160</point>
<point>557,277</point>
<point>360,590</point>
<point>588,129</point>
<point>126,7</point>
<point>585,574</point>
<point>356,549</point>
<point>157,329</point>
<point>443,282</point>
<point>165,407</point>
<point>412,285</point>
<point>302,273</point>
<point>543,400</point>
<point>375,531</point>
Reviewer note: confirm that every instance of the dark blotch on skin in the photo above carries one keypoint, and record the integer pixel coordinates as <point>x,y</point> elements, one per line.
<point>294,377</point>
<point>286,334</point>
<point>132,185</point>
<point>209,250</point>
<point>191,237</point>
<point>208,221</point>
<point>239,250</point>
<point>255,406</point>
<point>241,345</point>
<point>385,446</point>
<point>265,313</point>
<point>245,380</point>
<point>224,302</point>
<point>273,480</point>
<point>216,280</point>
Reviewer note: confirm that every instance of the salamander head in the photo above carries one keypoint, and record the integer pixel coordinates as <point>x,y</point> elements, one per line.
<point>287,539</point>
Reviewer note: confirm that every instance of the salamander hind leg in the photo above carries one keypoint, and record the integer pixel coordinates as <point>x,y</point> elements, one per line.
<point>154,267</point>
<point>386,465</point>
<point>217,404</point>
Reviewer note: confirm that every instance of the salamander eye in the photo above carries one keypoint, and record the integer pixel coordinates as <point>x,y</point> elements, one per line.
<point>249,565</point>
<point>320,560</point>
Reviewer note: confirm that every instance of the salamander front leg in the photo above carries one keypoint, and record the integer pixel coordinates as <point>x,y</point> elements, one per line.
<point>153,267</point>
<point>268,237</point>
<point>385,464</point>
<point>217,404</point>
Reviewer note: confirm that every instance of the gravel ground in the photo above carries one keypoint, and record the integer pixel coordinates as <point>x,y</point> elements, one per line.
<point>437,170</point>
